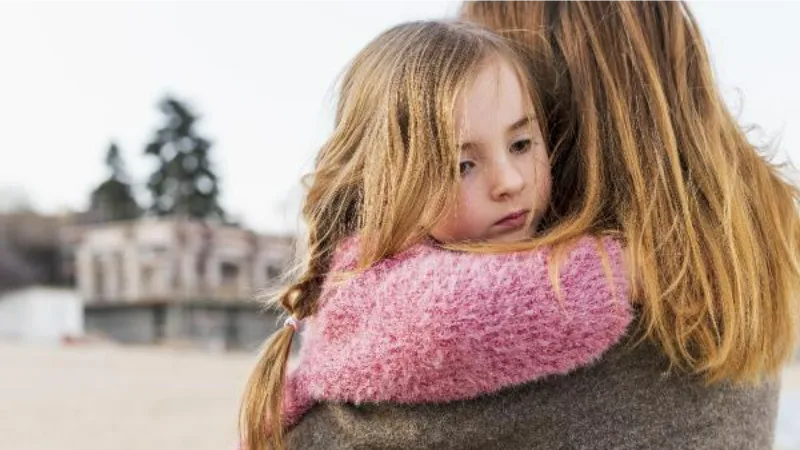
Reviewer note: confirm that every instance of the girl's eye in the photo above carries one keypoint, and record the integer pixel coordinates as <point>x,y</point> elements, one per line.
<point>465,167</point>
<point>521,146</point>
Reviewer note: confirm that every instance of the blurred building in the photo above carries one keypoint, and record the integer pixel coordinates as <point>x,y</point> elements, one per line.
<point>37,302</point>
<point>144,281</point>
<point>174,260</point>
<point>31,250</point>
<point>170,280</point>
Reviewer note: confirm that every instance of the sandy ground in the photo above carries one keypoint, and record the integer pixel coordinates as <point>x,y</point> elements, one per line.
<point>107,397</point>
<point>94,397</point>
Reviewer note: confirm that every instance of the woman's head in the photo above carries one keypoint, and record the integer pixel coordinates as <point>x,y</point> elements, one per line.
<point>642,143</point>
<point>435,134</point>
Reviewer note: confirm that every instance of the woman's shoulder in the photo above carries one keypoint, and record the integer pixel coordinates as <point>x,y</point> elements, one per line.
<point>627,399</point>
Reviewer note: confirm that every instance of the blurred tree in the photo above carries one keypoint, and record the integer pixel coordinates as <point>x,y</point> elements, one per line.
<point>113,199</point>
<point>184,184</point>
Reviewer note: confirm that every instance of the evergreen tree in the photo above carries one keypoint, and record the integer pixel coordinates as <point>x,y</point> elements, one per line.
<point>113,198</point>
<point>184,184</point>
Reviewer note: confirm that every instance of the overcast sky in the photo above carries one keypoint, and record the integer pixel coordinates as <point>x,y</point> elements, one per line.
<point>74,76</point>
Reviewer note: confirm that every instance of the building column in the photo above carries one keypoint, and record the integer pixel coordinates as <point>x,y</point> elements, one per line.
<point>162,276</point>
<point>259,273</point>
<point>132,272</point>
<point>84,274</point>
<point>189,277</point>
<point>111,277</point>
<point>213,274</point>
<point>245,284</point>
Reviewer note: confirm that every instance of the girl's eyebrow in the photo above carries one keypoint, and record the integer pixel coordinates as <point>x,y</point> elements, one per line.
<point>521,123</point>
<point>467,146</point>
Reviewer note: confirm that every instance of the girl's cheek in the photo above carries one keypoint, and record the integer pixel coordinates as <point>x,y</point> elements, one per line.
<point>466,203</point>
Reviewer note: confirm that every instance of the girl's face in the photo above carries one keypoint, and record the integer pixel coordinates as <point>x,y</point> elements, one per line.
<point>505,171</point>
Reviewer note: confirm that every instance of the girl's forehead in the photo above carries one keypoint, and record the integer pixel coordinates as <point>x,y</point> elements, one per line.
<point>495,101</point>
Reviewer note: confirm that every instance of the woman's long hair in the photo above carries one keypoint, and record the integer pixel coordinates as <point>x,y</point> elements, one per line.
<point>642,143</point>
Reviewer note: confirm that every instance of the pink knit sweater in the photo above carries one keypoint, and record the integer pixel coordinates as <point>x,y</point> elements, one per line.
<point>432,325</point>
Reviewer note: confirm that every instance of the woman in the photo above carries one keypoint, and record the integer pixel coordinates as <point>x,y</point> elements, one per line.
<point>637,125</point>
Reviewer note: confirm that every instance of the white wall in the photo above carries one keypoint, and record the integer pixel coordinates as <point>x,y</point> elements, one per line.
<point>41,314</point>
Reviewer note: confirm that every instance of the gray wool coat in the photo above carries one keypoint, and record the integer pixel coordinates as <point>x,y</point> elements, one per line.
<point>623,401</point>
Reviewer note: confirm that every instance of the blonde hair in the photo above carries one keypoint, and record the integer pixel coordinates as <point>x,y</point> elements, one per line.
<point>388,171</point>
<point>643,144</point>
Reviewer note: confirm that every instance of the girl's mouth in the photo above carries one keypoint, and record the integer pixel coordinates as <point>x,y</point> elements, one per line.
<point>514,220</point>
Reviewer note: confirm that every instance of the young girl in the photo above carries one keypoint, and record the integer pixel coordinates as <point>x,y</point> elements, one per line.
<point>436,148</point>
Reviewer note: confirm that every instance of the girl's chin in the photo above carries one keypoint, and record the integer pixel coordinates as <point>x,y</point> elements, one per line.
<point>515,236</point>
<point>521,234</point>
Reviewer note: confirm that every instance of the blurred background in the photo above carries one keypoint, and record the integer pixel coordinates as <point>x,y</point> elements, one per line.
<point>149,189</point>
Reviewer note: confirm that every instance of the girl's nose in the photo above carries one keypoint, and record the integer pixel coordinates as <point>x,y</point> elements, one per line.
<point>508,181</point>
